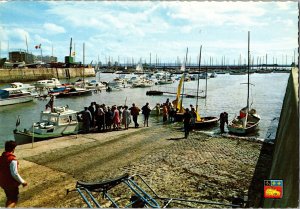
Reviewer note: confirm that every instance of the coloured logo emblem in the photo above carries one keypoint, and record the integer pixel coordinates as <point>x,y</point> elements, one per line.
<point>273,189</point>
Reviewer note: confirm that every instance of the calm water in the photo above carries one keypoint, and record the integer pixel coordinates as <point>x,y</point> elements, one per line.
<point>225,93</point>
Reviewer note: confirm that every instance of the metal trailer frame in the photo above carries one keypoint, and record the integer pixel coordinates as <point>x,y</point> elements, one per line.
<point>141,197</point>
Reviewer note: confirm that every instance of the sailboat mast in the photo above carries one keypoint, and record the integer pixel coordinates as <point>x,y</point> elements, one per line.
<point>248,70</point>
<point>198,78</point>
<point>83,57</point>
<point>187,49</point>
<point>206,82</point>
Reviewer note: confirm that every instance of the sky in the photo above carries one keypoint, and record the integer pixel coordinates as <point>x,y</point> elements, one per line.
<point>122,31</point>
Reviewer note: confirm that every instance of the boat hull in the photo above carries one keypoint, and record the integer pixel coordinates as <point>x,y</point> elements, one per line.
<point>74,93</point>
<point>28,137</point>
<point>206,122</point>
<point>239,130</point>
<point>16,100</point>
<point>25,137</point>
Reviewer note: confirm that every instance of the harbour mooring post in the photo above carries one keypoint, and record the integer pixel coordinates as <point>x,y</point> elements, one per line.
<point>32,136</point>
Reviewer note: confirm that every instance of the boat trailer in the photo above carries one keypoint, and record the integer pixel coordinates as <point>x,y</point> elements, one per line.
<point>131,195</point>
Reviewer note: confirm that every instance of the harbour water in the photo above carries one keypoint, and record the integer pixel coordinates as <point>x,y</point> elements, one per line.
<point>225,93</point>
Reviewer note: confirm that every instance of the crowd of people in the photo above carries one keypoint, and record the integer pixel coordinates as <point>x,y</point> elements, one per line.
<point>106,118</point>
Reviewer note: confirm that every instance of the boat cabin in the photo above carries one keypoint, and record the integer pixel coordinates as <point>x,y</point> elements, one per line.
<point>52,121</point>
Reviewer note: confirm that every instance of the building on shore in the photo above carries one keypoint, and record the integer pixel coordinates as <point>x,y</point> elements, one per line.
<point>29,58</point>
<point>21,56</point>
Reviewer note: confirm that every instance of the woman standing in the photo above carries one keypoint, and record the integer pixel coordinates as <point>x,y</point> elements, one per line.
<point>116,118</point>
<point>126,117</point>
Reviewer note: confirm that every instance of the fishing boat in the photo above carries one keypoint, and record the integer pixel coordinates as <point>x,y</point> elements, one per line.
<point>208,121</point>
<point>60,122</point>
<point>14,97</point>
<point>53,82</point>
<point>247,121</point>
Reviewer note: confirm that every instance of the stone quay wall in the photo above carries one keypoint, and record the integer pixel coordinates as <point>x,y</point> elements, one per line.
<point>32,74</point>
<point>285,163</point>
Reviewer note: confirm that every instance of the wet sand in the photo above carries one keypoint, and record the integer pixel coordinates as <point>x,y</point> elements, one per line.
<point>200,167</point>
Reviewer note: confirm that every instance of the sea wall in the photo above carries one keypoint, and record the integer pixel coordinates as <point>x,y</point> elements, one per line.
<point>285,163</point>
<point>31,74</point>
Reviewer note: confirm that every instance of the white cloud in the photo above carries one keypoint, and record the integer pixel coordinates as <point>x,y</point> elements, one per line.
<point>134,29</point>
<point>283,5</point>
<point>40,40</point>
<point>53,28</point>
<point>217,13</point>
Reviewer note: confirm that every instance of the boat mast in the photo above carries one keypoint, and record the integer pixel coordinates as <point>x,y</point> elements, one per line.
<point>187,49</point>
<point>206,75</point>
<point>83,57</point>
<point>198,78</point>
<point>248,70</point>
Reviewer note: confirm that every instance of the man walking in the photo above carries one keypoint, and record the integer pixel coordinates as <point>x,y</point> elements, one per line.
<point>9,176</point>
<point>146,112</point>
<point>186,121</point>
<point>135,111</point>
<point>223,120</point>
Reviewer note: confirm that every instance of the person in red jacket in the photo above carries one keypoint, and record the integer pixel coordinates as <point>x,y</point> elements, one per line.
<point>9,176</point>
<point>135,111</point>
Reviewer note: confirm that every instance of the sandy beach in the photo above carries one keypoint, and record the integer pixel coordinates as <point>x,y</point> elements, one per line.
<point>200,167</point>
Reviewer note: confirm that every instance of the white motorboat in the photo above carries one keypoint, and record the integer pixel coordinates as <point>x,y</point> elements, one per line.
<point>53,82</point>
<point>62,121</point>
<point>143,83</point>
<point>165,81</point>
<point>14,97</point>
<point>120,81</point>
<point>93,84</point>
<point>20,86</point>
<point>134,79</point>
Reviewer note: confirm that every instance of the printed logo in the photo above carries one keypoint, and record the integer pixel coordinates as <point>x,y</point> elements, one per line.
<point>273,189</point>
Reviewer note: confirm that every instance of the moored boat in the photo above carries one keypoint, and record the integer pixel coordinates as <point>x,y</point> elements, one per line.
<point>213,75</point>
<point>244,123</point>
<point>74,92</point>
<point>20,86</point>
<point>53,82</point>
<point>14,97</point>
<point>61,121</point>
<point>247,121</point>
<point>143,83</point>
<point>206,122</point>
<point>95,85</point>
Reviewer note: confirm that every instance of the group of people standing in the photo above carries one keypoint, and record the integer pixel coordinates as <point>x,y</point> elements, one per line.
<point>106,118</point>
<point>168,111</point>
